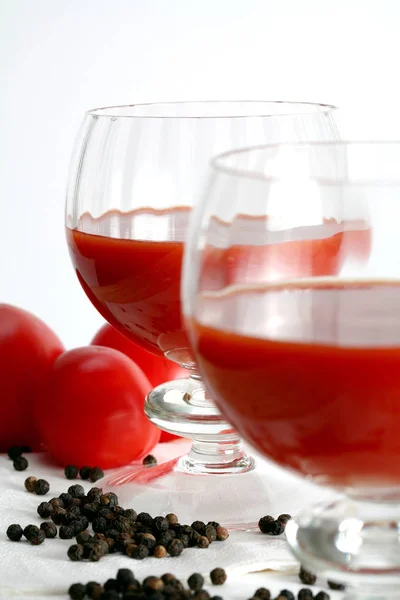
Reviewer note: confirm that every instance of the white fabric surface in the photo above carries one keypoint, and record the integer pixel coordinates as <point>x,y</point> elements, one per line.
<point>46,572</point>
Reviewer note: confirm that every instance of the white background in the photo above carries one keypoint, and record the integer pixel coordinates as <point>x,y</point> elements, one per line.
<point>60,57</point>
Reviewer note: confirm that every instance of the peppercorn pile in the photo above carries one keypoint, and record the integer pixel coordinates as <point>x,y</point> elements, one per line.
<point>126,586</point>
<point>168,586</point>
<point>114,529</point>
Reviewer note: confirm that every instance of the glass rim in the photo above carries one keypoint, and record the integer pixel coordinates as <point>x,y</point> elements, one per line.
<point>217,162</point>
<point>138,111</point>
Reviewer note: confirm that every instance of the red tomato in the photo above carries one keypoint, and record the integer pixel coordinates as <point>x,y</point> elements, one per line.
<point>90,410</point>
<point>28,349</point>
<point>157,368</point>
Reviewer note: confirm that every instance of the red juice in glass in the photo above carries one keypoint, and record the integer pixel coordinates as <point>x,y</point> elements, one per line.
<point>129,265</point>
<point>134,282</point>
<point>309,372</point>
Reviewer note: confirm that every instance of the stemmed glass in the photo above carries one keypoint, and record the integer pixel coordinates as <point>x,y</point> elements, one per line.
<point>135,175</point>
<point>301,348</point>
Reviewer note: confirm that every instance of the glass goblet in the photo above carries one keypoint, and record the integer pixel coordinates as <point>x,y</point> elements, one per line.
<point>303,359</point>
<point>136,173</point>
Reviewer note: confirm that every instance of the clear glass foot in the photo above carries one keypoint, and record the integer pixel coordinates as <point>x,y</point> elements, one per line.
<point>182,407</point>
<point>202,483</point>
<point>352,541</point>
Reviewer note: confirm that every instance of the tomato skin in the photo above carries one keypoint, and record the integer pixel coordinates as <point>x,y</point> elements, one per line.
<point>28,349</point>
<point>157,368</point>
<point>90,410</point>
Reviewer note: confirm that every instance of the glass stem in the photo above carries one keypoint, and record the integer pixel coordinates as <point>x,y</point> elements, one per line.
<point>217,453</point>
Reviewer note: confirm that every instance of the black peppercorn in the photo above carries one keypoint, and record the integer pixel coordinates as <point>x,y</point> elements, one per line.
<point>262,594</point>
<point>14,532</point>
<point>184,539</point>
<point>284,518</point>
<point>140,552</point>
<point>94,494</point>
<point>148,542</point>
<point>58,515</point>
<point>14,452</point>
<point>222,534</point>
<point>336,586</point>
<point>65,532</point>
<point>145,519</point>
<point>211,533</point>
<point>79,525</point>
<point>149,460</point>
<point>218,576</point>
<point>70,516</point>
<point>130,549</point>
<point>199,526</point>
<point>91,510</point>
<point>42,487</point>
<point>125,577</point>
<point>71,472</point>
<point>122,524</point>
<point>196,581</point>
<point>76,491</point>
<point>75,552</point>
<point>66,499</point>
<point>172,519</point>
<point>203,542</point>
<point>130,514</point>
<point>45,510</point>
<point>306,577</point>
<point>38,538</point>
<point>322,596</point>
<point>20,463</point>
<point>49,529</point>
<point>165,538</point>
<point>30,484</point>
<point>153,584</point>
<point>94,552</point>
<point>175,548</point>
<point>106,512</point>
<point>56,503</point>
<point>110,499</point>
<point>305,594</point>
<point>77,591</point>
<point>83,537</point>
<point>217,598</point>
<point>287,594</point>
<point>95,474</point>
<point>160,524</point>
<point>193,537</point>
<point>99,525</point>
<point>30,531</point>
<point>84,472</point>
<point>160,551</point>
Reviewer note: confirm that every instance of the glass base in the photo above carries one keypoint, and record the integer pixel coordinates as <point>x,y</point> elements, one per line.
<point>181,407</point>
<point>352,541</point>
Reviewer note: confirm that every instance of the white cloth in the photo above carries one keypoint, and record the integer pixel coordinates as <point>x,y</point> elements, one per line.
<point>45,571</point>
